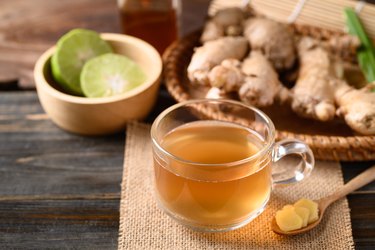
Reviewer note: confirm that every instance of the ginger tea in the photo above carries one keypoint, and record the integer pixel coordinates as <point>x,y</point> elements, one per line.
<point>204,182</point>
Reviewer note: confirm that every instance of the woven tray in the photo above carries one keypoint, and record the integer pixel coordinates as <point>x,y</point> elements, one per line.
<point>329,141</point>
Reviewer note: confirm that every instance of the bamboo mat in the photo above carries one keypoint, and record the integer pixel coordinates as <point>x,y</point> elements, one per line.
<point>327,14</point>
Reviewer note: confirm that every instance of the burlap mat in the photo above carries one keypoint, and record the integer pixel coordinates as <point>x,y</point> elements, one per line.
<point>144,226</point>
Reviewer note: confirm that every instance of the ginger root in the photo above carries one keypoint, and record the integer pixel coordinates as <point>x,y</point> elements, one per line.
<point>273,39</point>
<point>313,96</point>
<point>261,84</point>
<point>318,91</point>
<point>227,76</point>
<point>212,53</point>
<point>226,22</point>
<point>254,79</point>
<point>211,31</point>
<point>356,106</point>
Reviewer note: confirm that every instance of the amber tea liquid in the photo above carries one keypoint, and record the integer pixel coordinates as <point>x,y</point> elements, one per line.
<point>212,194</point>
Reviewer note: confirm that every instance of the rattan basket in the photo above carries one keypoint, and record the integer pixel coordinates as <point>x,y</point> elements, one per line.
<point>329,141</point>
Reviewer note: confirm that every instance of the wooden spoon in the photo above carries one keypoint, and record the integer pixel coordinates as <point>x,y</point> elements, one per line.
<point>357,182</point>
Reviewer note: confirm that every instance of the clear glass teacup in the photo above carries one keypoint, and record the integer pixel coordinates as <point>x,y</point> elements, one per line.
<point>213,163</point>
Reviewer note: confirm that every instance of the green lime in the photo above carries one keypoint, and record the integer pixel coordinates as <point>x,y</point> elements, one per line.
<point>73,50</point>
<point>109,75</point>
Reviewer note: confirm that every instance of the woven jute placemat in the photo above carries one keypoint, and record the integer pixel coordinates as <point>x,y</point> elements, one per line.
<point>144,226</point>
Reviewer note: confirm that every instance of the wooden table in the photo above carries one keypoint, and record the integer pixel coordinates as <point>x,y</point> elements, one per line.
<point>60,190</point>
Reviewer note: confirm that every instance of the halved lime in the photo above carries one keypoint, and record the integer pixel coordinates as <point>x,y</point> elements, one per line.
<point>109,75</point>
<point>73,50</point>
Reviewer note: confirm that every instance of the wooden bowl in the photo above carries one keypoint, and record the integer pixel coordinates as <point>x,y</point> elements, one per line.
<point>106,115</point>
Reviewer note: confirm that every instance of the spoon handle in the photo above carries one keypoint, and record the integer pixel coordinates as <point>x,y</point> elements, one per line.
<point>359,181</point>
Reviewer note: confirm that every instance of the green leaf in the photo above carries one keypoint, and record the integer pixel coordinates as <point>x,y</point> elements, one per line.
<point>366,53</point>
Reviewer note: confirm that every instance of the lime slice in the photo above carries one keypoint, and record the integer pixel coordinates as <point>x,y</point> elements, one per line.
<point>110,74</point>
<point>73,50</point>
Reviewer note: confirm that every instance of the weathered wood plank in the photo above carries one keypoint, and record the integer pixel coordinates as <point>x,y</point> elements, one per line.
<point>45,159</point>
<point>76,181</point>
<point>49,163</point>
<point>363,220</point>
<point>59,224</point>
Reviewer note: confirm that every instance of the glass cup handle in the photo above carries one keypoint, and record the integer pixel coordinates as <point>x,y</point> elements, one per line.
<point>302,170</point>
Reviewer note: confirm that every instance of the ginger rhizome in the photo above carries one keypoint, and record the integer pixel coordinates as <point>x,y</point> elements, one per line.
<point>227,76</point>
<point>255,80</point>
<point>242,57</point>
<point>320,94</point>
<point>313,96</point>
<point>356,106</point>
<point>212,53</point>
<point>226,22</point>
<point>261,84</point>
<point>273,39</point>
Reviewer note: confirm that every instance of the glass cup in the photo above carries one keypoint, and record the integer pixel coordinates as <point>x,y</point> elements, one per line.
<point>213,163</point>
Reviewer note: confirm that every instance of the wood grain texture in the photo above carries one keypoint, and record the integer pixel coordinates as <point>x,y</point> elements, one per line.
<point>75,179</point>
<point>60,190</point>
<point>46,160</point>
<point>59,224</point>
<point>27,28</point>
<point>363,220</point>
<point>362,206</point>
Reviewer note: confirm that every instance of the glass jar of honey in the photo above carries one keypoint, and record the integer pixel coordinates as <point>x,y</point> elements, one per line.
<point>151,20</point>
